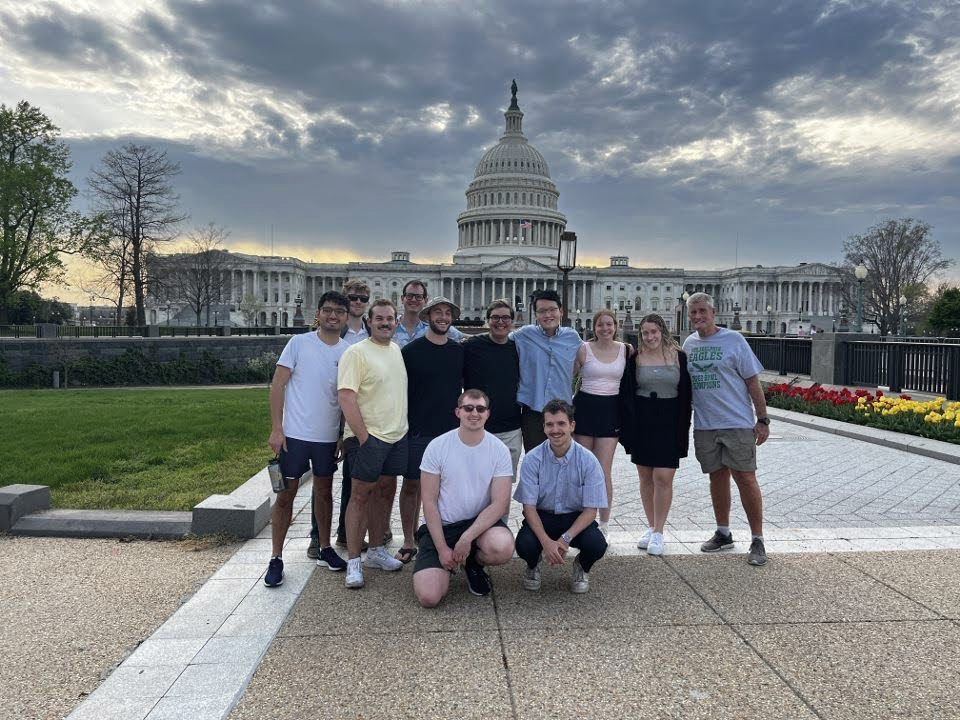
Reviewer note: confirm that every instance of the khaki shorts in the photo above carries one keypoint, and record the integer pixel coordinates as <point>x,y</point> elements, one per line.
<point>735,448</point>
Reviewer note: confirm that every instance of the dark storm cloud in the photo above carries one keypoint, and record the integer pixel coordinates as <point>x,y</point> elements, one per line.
<point>706,122</point>
<point>56,34</point>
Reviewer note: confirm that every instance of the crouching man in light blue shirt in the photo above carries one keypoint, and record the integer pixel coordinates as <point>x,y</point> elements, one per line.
<point>561,488</point>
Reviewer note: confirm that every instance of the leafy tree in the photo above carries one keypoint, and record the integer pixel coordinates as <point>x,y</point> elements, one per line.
<point>901,257</point>
<point>35,197</point>
<point>944,318</point>
<point>27,307</point>
<point>132,187</point>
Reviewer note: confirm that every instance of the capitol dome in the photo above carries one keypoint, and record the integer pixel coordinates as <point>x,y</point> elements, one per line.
<point>511,202</point>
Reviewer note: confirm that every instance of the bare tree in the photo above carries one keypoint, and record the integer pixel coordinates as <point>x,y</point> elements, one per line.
<point>132,187</point>
<point>196,275</point>
<point>901,257</point>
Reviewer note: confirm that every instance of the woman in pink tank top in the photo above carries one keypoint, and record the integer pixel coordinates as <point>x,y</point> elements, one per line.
<point>600,364</point>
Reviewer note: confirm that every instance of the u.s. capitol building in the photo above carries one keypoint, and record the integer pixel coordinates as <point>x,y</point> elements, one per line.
<point>507,243</point>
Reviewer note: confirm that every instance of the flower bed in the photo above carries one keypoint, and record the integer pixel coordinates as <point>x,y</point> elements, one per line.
<point>936,419</point>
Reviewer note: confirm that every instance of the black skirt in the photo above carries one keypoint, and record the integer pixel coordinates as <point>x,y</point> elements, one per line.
<point>597,415</point>
<point>655,440</point>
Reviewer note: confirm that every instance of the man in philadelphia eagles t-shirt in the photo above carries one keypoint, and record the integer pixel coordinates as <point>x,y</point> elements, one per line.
<point>726,392</point>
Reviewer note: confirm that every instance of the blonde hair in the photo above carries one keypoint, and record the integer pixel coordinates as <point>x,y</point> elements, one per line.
<point>666,338</point>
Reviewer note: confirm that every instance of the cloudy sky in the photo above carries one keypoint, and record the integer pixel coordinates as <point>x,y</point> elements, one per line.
<point>686,133</point>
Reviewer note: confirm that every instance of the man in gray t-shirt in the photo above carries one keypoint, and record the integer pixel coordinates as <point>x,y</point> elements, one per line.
<point>725,375</point>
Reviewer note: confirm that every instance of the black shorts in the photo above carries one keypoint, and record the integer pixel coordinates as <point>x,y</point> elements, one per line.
<point>427,555</point>
<point>375,458</point>
<point>301,455</point>
<point>416,446</point>
<point>596,415</point>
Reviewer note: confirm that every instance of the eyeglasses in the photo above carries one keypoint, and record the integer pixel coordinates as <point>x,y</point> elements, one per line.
<point>361,298</point>
<point>414,296</point>
<point>499,318</point>
<point>470,408</point>
<point>333,310</point>
<point>547,311</point>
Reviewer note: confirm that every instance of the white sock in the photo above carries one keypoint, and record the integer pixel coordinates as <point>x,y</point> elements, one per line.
<point>724,529</point>
<point>758,537</point>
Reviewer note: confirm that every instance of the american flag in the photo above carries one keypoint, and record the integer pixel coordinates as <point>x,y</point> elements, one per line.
<point>525,225</point>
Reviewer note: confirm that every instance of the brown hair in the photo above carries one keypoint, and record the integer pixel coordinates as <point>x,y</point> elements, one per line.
<point>474,393</point>
<point>356,284</point>
<point>559,406</point>
<point>666,338</point>
<point>380,302</point>
<point>499,304</point>
<point>609,313</point>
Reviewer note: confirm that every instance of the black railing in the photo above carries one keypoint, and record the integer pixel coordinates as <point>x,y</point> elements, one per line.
<point>782,355</point>
<point>98,331</point>
<point>19,331</point>
<point>917,366</point>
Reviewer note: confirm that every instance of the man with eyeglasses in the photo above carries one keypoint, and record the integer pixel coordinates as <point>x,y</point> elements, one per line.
<point>491,364</point>
<point>465,479</point>
<point>547,352</point>
<point>434,367</point>
<point>411,325</point>
<point>305,431</point>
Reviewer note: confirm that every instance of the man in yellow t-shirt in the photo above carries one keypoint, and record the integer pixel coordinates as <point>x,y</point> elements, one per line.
<point>372,390</point>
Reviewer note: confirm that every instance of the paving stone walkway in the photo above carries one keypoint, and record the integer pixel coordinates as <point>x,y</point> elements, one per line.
<point>825,630</point>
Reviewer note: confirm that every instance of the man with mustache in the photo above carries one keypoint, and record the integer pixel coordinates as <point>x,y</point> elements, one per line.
<point>372,389</point>
<point>434,366</point>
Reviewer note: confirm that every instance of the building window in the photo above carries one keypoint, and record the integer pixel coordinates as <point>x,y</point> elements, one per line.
<point>608,304</point>
<point>515,196</point>
<point>655,304</point>
<point>286,297</point>
<point>639,303</point>
<point>621,288</point>
<point>499,198</point>
<point>669,288</point>
<point>523,198</point>
<point>609,287</point>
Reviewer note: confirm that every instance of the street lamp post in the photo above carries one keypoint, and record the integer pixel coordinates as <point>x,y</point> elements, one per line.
<point>566,261</point>
<point>903,315</point>
<point>769,320</point>
<point>860,272</point>
<point>682,325</point>
<point>735,325</point>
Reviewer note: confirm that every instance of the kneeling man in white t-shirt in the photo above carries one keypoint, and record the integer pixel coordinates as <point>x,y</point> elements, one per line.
<point>465,481</point>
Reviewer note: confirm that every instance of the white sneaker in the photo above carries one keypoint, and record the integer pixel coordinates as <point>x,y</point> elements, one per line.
<point>655,546</point>
<point>580,582</point>
<point>645,539</point>
<point>354,577</point>
<point>531,578</point>
<point>378,557</point>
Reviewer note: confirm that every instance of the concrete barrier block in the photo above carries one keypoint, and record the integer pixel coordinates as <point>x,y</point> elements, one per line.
<point>19,500</point>
<point>232,515</point>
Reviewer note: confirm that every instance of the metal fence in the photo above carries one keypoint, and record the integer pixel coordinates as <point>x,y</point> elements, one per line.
<point>917,366</point>
<point>19,331</point>
<point>782,355</point>
<point>76,331</point>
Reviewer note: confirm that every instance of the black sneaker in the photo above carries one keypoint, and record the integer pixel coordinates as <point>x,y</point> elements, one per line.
<point>341,540</point>
<point>719,541</point>
<point>313,550</point>
<point>758,554</point>
<point>274,576</point>
<point>477,579</point>
<point>331,560</point>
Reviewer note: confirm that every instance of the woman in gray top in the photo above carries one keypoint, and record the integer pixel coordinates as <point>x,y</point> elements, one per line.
<point>655,401</point>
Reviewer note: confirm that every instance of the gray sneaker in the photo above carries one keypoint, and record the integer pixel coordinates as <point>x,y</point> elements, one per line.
<point>313,550</point>
<point>758,554</point>
<point>580,582</point>
<point>718,542</point>
<point>531,578</point>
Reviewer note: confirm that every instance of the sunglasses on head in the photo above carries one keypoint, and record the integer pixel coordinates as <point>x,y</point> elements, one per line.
<point>361,298</point>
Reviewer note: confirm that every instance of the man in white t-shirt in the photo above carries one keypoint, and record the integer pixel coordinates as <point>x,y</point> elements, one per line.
<point>465,480</point>
<point>305,416</point>
<point>725,375</point>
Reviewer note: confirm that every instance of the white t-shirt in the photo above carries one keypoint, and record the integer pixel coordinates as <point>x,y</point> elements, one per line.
<point>311,411</point>
<point>718,365</point>
<point>465,473</point>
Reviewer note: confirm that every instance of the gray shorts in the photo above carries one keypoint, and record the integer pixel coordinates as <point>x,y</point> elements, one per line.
<point>513,439</point>
<point>375,458</point>
<point>735,448</point>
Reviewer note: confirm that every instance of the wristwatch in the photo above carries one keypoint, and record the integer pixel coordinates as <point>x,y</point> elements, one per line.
<point>566,538</point>
<point>763,420</point>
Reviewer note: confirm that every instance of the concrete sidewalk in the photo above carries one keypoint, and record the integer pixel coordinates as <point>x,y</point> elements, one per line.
<point>808,636</point>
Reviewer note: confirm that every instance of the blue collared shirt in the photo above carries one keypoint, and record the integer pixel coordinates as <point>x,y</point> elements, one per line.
<point>546,364</point>
<point>561,484</point>
<point>401,337</point>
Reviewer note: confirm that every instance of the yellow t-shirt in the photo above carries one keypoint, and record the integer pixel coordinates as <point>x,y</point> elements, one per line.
<point>378,376</point>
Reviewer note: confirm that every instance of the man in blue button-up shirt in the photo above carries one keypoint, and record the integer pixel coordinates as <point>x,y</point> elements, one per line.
<point>561,488</point>
<point>547,352</point>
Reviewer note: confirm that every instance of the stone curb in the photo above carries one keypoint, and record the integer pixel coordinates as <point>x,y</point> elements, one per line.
<point>936,449</point>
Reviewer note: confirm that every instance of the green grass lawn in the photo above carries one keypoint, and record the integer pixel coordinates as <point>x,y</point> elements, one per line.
<point>133,449</point>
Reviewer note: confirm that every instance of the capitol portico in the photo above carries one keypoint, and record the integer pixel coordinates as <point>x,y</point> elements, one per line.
<point>507,243</point>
